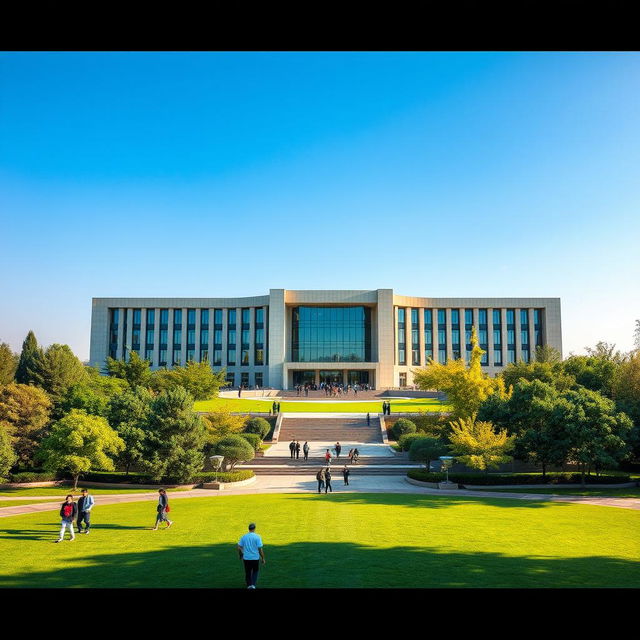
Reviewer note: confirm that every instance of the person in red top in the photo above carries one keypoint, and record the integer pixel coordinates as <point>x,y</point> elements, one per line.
<point>68,513</point>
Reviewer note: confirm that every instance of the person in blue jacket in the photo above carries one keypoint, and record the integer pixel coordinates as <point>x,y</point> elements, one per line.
<point>85,504</point>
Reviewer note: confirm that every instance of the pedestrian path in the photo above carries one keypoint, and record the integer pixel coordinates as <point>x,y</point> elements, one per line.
<point>308,484</point>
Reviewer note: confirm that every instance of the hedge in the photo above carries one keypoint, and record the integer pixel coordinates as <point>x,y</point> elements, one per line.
<point>253,439</point>
<point>516,478</point>
<point>401,427</point>
<point>226,476</point>
<point>33,476</point>
<point>407,440</point>
<point>259,426</point>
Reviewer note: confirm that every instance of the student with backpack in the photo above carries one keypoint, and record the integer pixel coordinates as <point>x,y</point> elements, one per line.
<point>163,508</point>
<point>68,513</point>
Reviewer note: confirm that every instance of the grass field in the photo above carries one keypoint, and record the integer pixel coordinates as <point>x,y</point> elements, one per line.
<point>348,540</point>
<point>630,492</point>
<point>397,406</point>
<point>17,503</point>
<point>63,491</point>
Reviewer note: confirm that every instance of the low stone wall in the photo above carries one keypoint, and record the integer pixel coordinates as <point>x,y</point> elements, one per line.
<point>228,485</point>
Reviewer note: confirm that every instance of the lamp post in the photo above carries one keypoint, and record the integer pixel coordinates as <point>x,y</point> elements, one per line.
<point>216,463</point>
<point>446,463</point>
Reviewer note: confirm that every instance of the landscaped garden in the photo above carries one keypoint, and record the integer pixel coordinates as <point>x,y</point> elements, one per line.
<point>341,540</point>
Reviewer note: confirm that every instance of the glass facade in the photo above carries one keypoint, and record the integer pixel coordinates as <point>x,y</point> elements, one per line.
<point>402,346</point>
<point>455,334</point>
<point>331,334</point>
<point>442,336</point>
<point>428,334</point>
<point>113,333</point>
<point>524,335</point>
<point>231,337</point>
<point>497,338</point>
<point>258,338</point>
<point>483,337</point>
<point>415,338</point>
<point>468,326</point>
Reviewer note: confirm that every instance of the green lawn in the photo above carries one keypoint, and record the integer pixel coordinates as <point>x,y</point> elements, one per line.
<point>17,503</point>
<point>341,540</point>
<point>630,492</point>
<point>397,406</point>
<point>63,491</point>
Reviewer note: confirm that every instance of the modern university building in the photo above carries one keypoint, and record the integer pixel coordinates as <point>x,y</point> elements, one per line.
<point>292,337</point>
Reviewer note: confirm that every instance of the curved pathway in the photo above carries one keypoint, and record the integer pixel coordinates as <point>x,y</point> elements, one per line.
<point>307,484</point>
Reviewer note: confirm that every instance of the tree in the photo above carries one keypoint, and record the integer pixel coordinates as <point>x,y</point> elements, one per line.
<point>198,378</point>
<point>78,443</point>
<point>128,413</point>
<point>595,432</point>
<point>595,372</point>
<point>636,335</point>
<point>477,445</point>
<point>530,413</point>
<point>466,388</point>
<point>222,423</point>
<point>135,371</point>
<point>605,351</point>
<point>59,369</point>
<point>25,414</point>
<point>235,449</point>
<point>427,449</point>
<point>93,393</point>
<point>176,436</point>
<point>548,354</point>
<point>401,427</point>
<point>29,361</point>
<point>547,372</point>
<point>8,456</point>
<point>626,394</point>
<point>8,364</point>
<point>432,424</point>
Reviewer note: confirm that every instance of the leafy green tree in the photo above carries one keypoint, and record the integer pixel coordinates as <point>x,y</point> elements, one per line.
<point>595,372</point>
<point>93,393</point>
<point>626,394</point>
<point>235,449</point>
<point>548,354</point>
<point>8,364</point>
<point>595,432</point>
<point>466,388</point>
<point>129,413</point>
<point>136,371</point>
<point>8,456</point>
<point>477,445</point>
<point>253,439</point>
<point>29,361</point>
<point>198,378</point>
<point>547,372</point>
<point>427,449</point>
<point>58,371</point>
<point>78,443</point>
<point>401,427</point>
<point>176,436</point>
<point>531,413</point>
<point>25,414</point>
<point>432,424</point>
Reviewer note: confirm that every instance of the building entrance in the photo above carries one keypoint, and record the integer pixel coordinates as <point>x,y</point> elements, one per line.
<point>335,377</point>
<point>304,377</point>
<point>357,377</point>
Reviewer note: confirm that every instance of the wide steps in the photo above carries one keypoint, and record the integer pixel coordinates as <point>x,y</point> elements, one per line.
<point>323,430</point>
<point>370,465</point>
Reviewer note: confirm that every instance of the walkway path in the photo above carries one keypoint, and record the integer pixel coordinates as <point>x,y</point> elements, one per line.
<point>306,484</point>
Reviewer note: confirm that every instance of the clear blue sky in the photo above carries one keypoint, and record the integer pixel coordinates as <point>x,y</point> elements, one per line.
<point>224,174</point>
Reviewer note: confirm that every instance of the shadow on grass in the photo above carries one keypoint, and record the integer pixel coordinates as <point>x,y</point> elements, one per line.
<point>329,565</point>
<point>438,501</point>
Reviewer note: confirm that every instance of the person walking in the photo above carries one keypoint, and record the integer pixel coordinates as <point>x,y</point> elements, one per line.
<point>345,474</point>
<point>162,508</point>
<point>368,420</point>
<point>388,408</point>
<point>320,479</point>
<point>305,450</point>
<point>297,450</point>
<point>68,513</point>
<point>85,504</point>
<point>327,480</point>
<point>274,406</point>
<point>338,449</point>
<point>250,551</point>
<point>384,408</point>
<point>327,457</point>
<point>356,455</point>
<point>350,455</point>
<point>292,448</point>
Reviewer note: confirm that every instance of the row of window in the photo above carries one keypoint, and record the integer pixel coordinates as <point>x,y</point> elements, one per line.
<point>456,333</point>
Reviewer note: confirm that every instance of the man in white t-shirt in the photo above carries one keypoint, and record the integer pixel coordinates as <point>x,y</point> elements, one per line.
<point>250,552</point>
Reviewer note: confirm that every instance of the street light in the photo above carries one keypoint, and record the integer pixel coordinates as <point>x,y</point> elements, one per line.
<point>216,463</point>
<point>446,463</point>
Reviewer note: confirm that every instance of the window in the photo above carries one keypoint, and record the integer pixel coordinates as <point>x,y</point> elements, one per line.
<point>164,317</point>
<point>162,360</point>
<point>204,355</point>
<point>217,357</point>
<point>177,336</point>
<point>259,318</point>
<point>231,319</point>
<point>442,356</point>
<point>496,317</point>
<point>150,336</point>
<point>137,316</point>
<point>244,379</point>
<point>246,316</point>
<point>163,336</point>
<point>482,316</point>
<point>524,316</point>
<point>177,357</point>
<point>191,336</point>
<point>204,336</point>
<point>259,356</point>
<point>177,316</point>
<point>204,317</point>
<point>468,316</point>
<point>497,358</point>
<point>497,336</point>
<point>217,318</point>
<point>151,316</point>
<point>231,356</point>
<point>191,316</point>
<point>191,355</point>
<point>403,379</point>
<point>455,316</point>
<point>442,316</point>
<point>258,378</point>
<point>244,357</point>
<point>231,379</point>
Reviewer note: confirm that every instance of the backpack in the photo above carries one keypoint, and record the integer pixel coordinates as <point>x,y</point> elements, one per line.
<point>67,510</point>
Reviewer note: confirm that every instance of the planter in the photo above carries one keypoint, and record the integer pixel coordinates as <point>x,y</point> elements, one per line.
<point>219,486</point>
<point>447,485</point>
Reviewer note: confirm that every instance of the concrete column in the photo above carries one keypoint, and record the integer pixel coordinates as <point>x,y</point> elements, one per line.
<point>277,338</point>
<point>170,340</point>
<point>490,336</point>
<point>143,333</point>
<point>518,340</point>
<point>156,338</point>
<point>128,337</point>
<point>423,359</point>
<point>196,355</point>
<point>448,329</point>
<point>120,349</point>
<point>386,339</point>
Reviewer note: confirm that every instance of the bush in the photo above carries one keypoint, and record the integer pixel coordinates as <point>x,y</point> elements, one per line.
<point>224,476</point>
<point>253,439</point>
<point>234,449</point>
<point>401,427</point>
<point>33,476</point>
<point>408,439</point>
<point>259,426</point>
<point>489,479</point>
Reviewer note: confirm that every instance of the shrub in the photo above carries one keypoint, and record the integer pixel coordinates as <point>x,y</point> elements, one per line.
<point>234,449</point>
<point>33,476</point>
<point>401,427</point>
<point>516,478</point>
<point>253,439</point>
<point>408,439</point>
<point>259,426</point>
<point>426,476</point>
<point>224,476</point>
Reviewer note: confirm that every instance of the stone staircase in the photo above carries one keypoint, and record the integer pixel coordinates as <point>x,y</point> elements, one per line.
<point>330,430</point>
<point>365,466</point>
